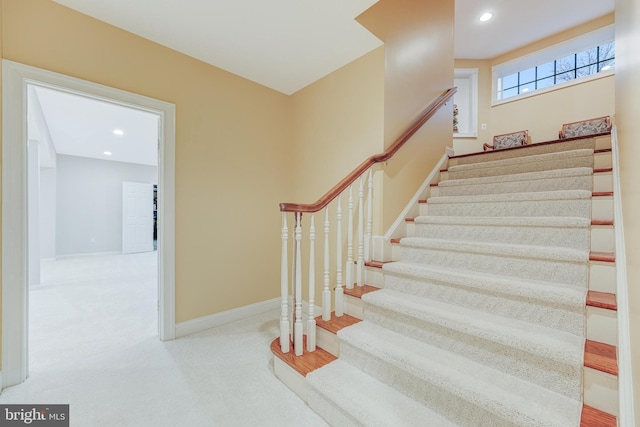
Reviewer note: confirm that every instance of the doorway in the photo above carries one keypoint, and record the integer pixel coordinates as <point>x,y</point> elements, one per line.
<point>15,245</point>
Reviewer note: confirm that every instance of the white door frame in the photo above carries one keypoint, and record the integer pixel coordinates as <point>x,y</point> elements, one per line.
<point>15,294</point>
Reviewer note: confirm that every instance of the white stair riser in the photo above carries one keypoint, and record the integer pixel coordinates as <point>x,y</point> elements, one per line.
<point>602,208</point>
<point>602,181</point>
<point>602,160</point>
<point>289,376</point>
<point>525,268</point>
<point>601,391</point>
<point>602,277</point>
<point>327,341</point>
<point>602,239</point>
<point>354,307</point>
<point>576,238</point>
<point>584,182</point>
<point>602,325</point>
<point>575,207</point>
<point>512,360</point>
<point>424,209</point>
<point>373,276</point>
<point>490,301</point>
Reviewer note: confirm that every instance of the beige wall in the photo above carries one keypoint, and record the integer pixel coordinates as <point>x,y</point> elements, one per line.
<point>418,39</point>
<point>232,138</point>
<point>627,114</point>
<point>337,123</point>
<point>543,114</point>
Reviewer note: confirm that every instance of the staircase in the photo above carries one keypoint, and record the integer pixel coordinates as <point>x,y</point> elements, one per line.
<point>498,309</point>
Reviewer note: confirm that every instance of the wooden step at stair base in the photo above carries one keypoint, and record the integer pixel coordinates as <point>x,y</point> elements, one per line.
<point>592,417</point>
<point>601,357</point>
<point>308,362</point>
<point>602,256</point>
<point>602,300</point>
<point>326,331</point>
<point>358,291</point>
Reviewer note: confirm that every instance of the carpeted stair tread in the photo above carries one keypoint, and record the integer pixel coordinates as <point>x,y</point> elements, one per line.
<point>546,342</point>
<point>569,232</point>
<point>346,396</point>
<point>490,397</point>
<point>556,293</point>
<point>526,176</point>
<point>513,197</point>
<point>541,221</point>
<point>496,164</point>
<point>549,304</point>
<point>499,249</point>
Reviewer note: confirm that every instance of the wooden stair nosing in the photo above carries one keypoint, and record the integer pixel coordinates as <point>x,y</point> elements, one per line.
<point>336,323</point>
<point>375,264</point>
<point>603,170</point>
<point>602,222</point>
<point>602,150</point>
<point>395,241</point>
<point>602,194</point>
<point>601,357</point>
<point>602,299</point>
<point>423,201</point>
<point>592,417</point>
<point>358,291</point>
<point>602,256</point>
<point>308,362</point>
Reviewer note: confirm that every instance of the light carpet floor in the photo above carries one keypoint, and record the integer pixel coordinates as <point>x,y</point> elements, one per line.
<point>94,345</point>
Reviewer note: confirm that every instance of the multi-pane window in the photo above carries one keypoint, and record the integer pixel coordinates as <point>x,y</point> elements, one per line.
<point>580,64</point>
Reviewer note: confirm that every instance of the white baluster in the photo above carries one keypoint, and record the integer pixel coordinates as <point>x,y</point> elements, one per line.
<point>360,265</point>
<point>349,265</point>
<point>311,321</point>
<point>284,289</point>
<point>339,292</point>
<point>297,326</point>
<point>367,242</point>
<point>326,290</point>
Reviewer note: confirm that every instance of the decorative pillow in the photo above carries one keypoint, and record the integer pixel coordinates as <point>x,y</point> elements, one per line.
<point>586,127</point>
<point>515,139</point>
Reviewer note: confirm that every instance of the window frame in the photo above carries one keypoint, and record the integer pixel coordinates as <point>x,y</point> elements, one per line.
<point>544,56</point>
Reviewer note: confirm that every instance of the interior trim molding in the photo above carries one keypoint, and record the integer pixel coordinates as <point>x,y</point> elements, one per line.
<point>218,319</point>
<point>15,79</point>
<point>626,415</point>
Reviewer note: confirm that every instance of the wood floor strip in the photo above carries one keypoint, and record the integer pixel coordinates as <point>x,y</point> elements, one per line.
<point>603,170</point>
<point>602,256</point>
<point>358,291</point>
<point>592,417</point>
<point>336,323</point>
<point>602,193</point>
<point>601,357</point>
<point>601,222</point>
<point>374,264</point>
<point>308,362</point>
<point>602,300</point>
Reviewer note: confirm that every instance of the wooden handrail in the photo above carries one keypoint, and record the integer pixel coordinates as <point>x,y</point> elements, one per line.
<point>378,158</point>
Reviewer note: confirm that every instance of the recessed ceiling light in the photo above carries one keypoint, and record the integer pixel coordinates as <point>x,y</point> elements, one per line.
<point>486,16</point>
<point>118,132</point>
<point>107,153</point>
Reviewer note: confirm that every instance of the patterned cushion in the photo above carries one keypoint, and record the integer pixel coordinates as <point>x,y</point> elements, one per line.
<point>509,140</point>
<point>586,127</point>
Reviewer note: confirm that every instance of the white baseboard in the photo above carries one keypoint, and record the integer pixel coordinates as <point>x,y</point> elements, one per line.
<point>1,387</point>
<point>214,320</point>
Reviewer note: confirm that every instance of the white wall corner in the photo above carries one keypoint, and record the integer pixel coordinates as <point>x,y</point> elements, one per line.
<point>214,320</point>
<point>397,229</point>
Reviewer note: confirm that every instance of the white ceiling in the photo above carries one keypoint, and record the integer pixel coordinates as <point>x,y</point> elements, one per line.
<point>81,126</point>
<point>282,44</point>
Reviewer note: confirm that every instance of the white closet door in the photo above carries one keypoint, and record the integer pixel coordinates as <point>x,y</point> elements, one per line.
<point>137,217</point>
